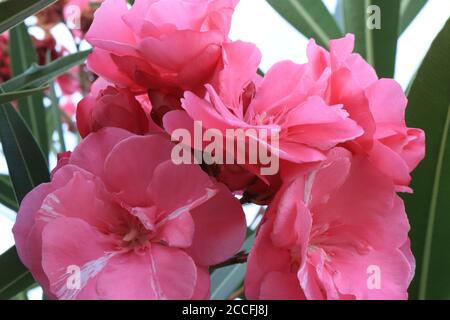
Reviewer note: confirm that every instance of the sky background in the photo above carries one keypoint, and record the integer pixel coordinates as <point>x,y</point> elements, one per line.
<point>255,21</point>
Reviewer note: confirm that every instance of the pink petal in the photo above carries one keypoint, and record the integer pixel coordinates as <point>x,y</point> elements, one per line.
<point>281,286</point>
<point>92,205</point>
<point>196,189</point>
<point>241,61</point>
<point>161,273</point>
<point>91,153</point>
<point>263,259</point>
<point>70,242</point>
<point>178,232</point>
<point>164,52</point>
<point>220,229</point>
<point>394,274</point>
<point>316,124</point>
<point>129,175</point>
<point>108,24</point>
<point>202,288</point>
<point>102,63</point>
<point>387,102</point>
<point>344,90</point>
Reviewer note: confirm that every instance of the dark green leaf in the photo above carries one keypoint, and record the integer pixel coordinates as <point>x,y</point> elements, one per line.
<point>355,18</point>
<point>13,12</point>
<point>26,163</point>
<point>11,96</point>
<point>382,43</point>
<point>32,109</point>
<point>7,196</point>
<point>14,277</point>
<point>310,17</point>
<point>409,9</point>
<point>428,208</point>
<point>378,46</point>
<point>37,76</point>
<point>22,51</point>
<point>28,168</point>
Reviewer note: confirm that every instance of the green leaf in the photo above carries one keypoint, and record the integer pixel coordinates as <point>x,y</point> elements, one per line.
<point>27,168</point>
<point>409,9</point>
<point>7,196</point>
<point>310,17</point>
<point>354,13</point>
<point>11,96</point>
<point>26,163</point>
<point>225,281</point>
<point>14,277</point>
<point>22,51</point>
<point>382,43</point>
<point>37,76</point>
<point>23,55</point>
<point>377,46</point>
<point>13,12</point>
<point>429,207</point>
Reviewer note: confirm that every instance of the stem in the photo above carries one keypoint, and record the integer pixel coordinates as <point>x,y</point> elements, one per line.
<point>240,257</point>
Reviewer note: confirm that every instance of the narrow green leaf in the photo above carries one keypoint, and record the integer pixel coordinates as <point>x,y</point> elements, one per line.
<point>13,12</point>
<point>409,9</point>
<point>11,96</point>
<point>32,109</point>
<point>382,43</point>
<point>310,17</point>
<point>26,163</point>
<point>377,43</point>
<point>7,196</point>
<point>355,18</point>
<point>20,296</point>
<point>27,168</point>
<point>428,208</point>
<point>37,76</point>
<point>225,281</point>
<point>14,277</point>
<point>22,51</point>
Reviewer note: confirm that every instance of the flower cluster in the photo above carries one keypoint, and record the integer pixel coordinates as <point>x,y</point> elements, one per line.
<point>127,221</point>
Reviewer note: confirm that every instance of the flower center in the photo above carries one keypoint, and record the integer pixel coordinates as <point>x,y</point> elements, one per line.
<point>133,235</point>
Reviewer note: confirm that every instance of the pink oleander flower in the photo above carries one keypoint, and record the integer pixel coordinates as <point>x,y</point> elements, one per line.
<point>159,45</point>
<point>286,102</point>
<point>334,99</point>
<point>117,211</point>
<point>111,106</point>
<point>378,106</point>
<point>326,234</point>
<point>339,232</point>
